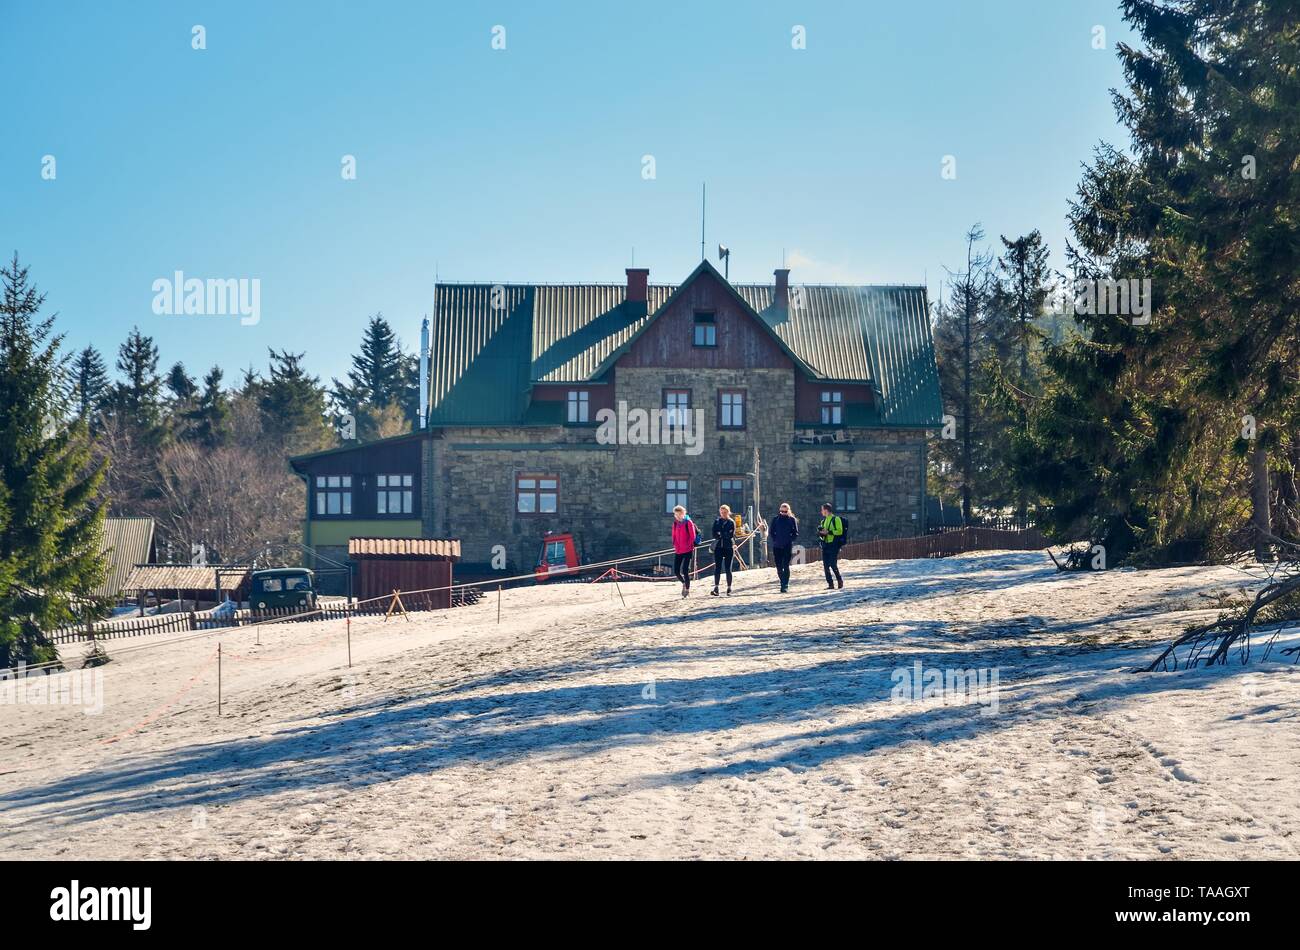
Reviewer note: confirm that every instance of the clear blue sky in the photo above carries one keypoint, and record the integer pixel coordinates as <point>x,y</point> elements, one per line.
<point>523,164</point>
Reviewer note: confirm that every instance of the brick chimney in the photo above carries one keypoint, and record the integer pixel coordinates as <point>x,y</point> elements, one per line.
<point>782,286</point>
<point>637,278</point>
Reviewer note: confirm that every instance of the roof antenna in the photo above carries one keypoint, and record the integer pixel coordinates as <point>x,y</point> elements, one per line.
<point>703,190</point>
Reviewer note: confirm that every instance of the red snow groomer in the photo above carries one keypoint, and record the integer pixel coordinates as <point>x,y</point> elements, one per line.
<point>559,556</point>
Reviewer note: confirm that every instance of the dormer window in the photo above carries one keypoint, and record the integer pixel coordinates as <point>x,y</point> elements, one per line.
<point>832,407</point>
<point>579,406</point>
<point>706,328</point>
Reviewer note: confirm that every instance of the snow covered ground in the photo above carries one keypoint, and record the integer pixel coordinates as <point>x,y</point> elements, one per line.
<point>764,725</point>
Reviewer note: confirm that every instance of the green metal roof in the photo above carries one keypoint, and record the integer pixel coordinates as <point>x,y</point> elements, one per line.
<point>126,542</point>
<point>491,343</point>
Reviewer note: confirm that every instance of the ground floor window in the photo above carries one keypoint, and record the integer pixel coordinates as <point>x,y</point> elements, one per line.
<point>333,494</point>
<point>537,494</point>
<point>846,493</point>
<point>731,492</point>
<point>676,491</point>
<point>396,494</point>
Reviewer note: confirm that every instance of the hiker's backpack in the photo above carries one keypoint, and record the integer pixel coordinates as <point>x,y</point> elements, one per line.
<point>844,529</point>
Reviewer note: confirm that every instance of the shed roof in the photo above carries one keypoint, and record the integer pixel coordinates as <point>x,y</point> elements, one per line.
<point>438,549</point>
<point>125,542</point>
<point>165,577</point>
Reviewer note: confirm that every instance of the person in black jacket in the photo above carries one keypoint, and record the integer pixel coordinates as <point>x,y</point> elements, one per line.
<point>781,535</point>
<point>724,532</point>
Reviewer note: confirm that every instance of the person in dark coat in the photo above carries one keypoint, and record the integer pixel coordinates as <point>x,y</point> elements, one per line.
<point>781,534</point>
<point>724,551</point>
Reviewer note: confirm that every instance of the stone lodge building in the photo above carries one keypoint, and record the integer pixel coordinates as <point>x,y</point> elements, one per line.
<point>536,395</point>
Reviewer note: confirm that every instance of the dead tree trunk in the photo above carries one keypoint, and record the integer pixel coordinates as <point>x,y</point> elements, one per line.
<point>1260,520</point>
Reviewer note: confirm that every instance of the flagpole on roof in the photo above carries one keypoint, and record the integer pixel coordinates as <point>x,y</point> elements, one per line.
<point>703,189</point>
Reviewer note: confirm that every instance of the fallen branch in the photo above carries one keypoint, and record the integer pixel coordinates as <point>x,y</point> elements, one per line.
<point>1235,627</point>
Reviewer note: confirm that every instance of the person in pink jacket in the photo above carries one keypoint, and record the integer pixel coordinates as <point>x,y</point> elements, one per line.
<point>685,537</point>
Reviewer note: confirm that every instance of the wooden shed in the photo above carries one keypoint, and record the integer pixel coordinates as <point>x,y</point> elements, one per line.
<point>405,564</point>
<point>186,582</point>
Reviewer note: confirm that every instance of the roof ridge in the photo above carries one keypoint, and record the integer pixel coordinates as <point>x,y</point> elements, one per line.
<point>623,286</point>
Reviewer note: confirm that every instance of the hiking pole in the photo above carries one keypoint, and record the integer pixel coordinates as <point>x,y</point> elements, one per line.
<point>218,679</point>
<point>349,623</point>
<point>498,603</point>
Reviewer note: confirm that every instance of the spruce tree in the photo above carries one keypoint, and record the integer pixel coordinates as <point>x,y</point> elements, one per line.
<point>182,387</point>
<point>89,383</point>
<point>51,515</point>
<point>1213,106</point>
<point>1024,282</point>
<point>136,399</point>
<point>378,380</point>
<point>209,420</point>
<point>292,404</point>
<point>1137,431</point>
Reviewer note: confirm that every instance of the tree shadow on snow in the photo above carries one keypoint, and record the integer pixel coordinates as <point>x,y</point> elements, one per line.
<point>381,741</point>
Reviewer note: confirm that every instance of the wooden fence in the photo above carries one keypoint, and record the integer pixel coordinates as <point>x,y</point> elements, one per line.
<point>945,544</point>
<point>188,621</point>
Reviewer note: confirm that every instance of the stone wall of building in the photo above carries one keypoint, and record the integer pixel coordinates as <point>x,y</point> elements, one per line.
<point>613,497</point>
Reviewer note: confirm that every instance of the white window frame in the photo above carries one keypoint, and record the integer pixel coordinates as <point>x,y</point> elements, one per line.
<point>394,494</point>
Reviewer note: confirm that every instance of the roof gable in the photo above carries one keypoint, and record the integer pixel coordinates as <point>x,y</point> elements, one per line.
<point>705,271</point>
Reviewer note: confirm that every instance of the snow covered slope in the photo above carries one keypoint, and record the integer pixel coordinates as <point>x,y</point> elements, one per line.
<point>764,725</point>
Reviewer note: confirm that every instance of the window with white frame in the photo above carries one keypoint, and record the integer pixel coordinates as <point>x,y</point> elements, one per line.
<point>333,495</point>
<point>395,494</point>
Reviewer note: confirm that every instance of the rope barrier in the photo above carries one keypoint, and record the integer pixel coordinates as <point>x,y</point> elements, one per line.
<point>159,710</point>
<point>348,610</point>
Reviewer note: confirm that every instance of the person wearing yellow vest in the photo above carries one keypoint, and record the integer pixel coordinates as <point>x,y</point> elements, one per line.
<point>831,532</point>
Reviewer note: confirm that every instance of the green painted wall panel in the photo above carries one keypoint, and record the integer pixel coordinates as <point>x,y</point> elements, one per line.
<point>338,532</point>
